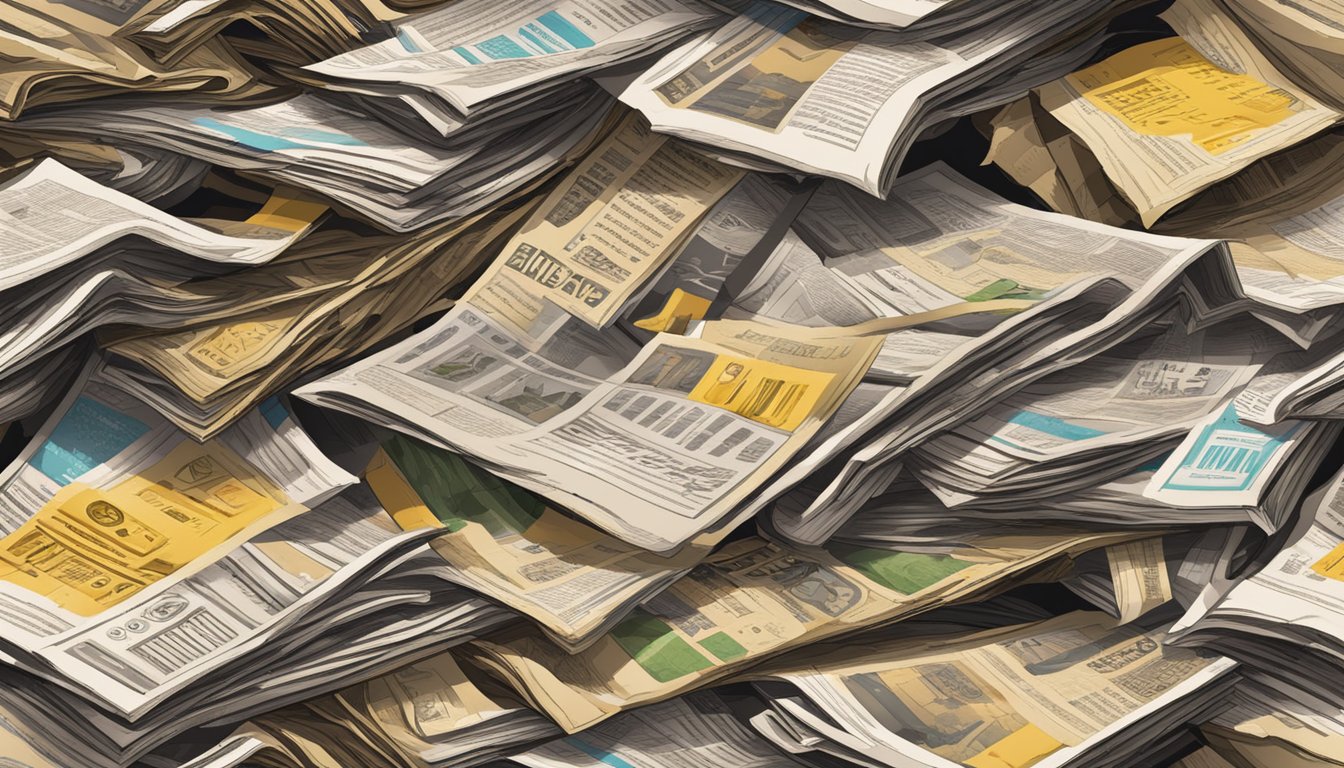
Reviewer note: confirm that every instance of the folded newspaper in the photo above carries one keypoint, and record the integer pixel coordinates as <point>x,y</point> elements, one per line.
<point>1170,117</point>
<point>779,87</point>
<point>478,60</point>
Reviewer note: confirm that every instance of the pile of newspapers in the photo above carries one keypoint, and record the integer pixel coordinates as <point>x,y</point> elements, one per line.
<point>671,383</point>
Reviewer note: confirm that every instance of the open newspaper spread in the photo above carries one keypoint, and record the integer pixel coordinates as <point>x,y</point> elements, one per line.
<point>684,432</point>
<point>683,429</point>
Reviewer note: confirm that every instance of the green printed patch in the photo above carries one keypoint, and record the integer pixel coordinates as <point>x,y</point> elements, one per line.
<point>722,645</point>
<point>904,572</point>
<point>1006,289</point>
<point>657,648</point>
<point>458,493</point>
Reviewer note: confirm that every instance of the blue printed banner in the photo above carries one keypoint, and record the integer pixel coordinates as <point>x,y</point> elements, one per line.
<point>1228,456</point>
<point>1052,425</point>
<point>550,33</point>
<point>296,137</point>
<point>89,434</point>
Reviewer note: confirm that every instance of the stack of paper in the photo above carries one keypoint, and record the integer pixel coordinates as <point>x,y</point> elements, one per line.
<point>668,384</point>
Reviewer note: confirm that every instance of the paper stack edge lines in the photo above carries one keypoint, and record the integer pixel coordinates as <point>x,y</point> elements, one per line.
<point>671,384</point>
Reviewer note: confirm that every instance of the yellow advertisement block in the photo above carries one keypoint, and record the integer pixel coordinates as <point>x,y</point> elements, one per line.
<point>288,210</point>
<point>1332,565</point>
<point>90,548</point>
<point>1024,747</point>
<point>1167,88</point>
<point>777,395</point>
<point>677,313</point>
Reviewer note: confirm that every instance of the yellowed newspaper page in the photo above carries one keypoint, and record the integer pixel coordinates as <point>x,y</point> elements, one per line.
<point>1168,118</point>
